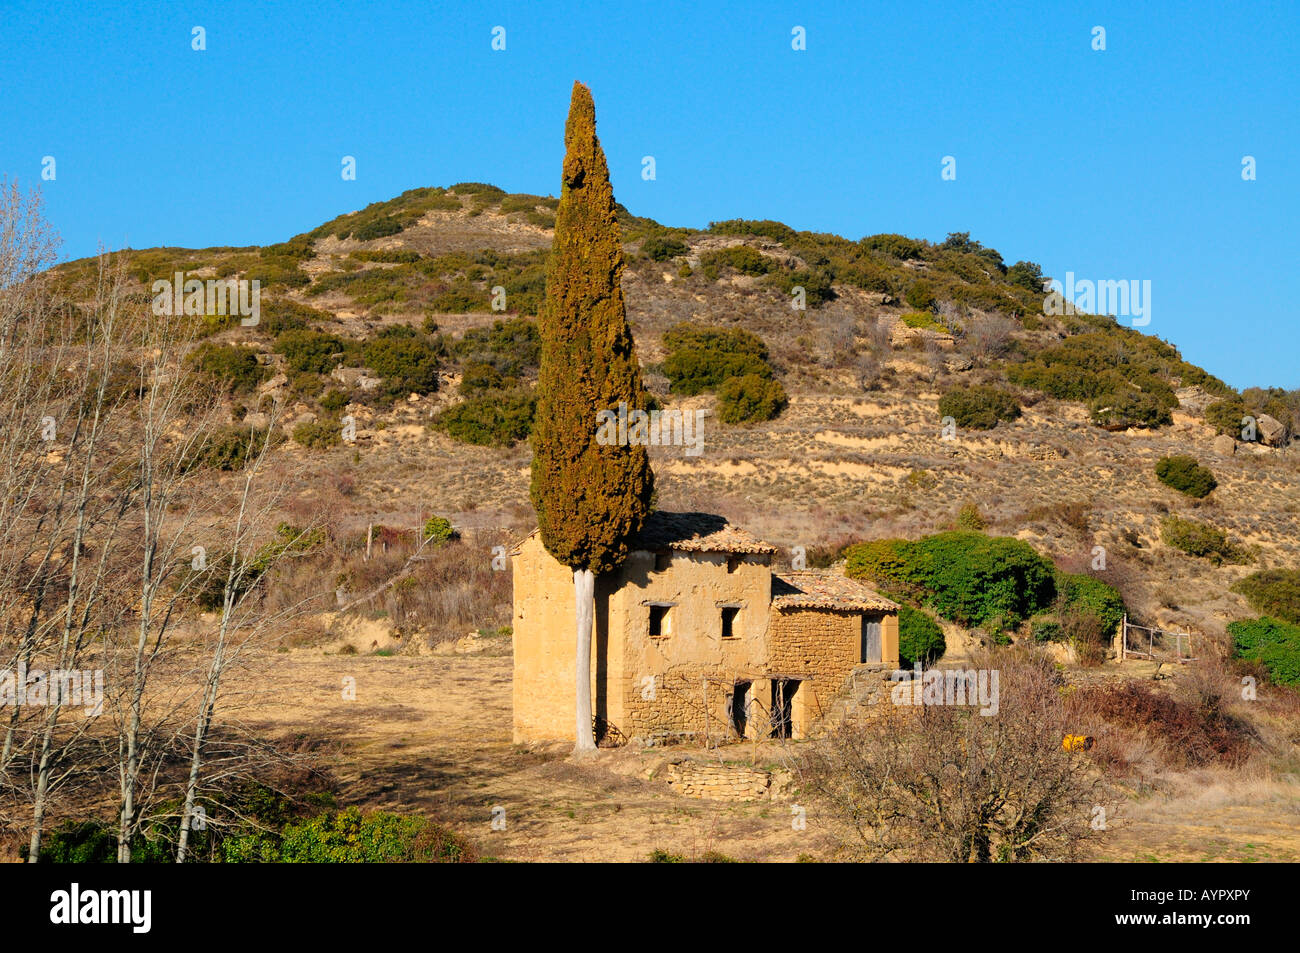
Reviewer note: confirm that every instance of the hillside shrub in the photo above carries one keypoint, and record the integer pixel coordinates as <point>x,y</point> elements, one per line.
<point>406,358</point>
<point>742,258</point>
<point>1225,416</point>
<point>920,295</point>
<point>438,530</point>
<point>659,248</point>
<point>234,367</point>
<point>309,351</point>
<point>1200,540</point>
<point>750,399</point>
<point>318,435</point>
<point>701,358</point>
<point>1274,592</point>
<point>1186,475</point>
<point>970,518</point>
<point>497,419</point>
<point>920,639</point>
<point>1273,643</point>
<point>979,406</point>
<point>1078,592</point>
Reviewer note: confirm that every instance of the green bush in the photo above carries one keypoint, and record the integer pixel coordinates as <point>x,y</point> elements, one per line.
<point>896,246</point>
<point>659,248</point>
<point>1185,475</point>
<point>746,260</point>
<point>230,448</point>
<point>498,419</point>
<point>350,837</point>
<point>1047,630</point>
<point>1274,592</point>
<point>1200,540</point>
<point>512,348</point>
<point>1271,642</point>
<point>970,518</point>
<point>924,320</point>
<point>234,367</point>
<point>309,351</point>
<point>979,406</point>
<point>285,314</point>
<point>969,578</point>
<point>701,358</point>
<point>438,530</point>
<point>920,295</point>
<point>1081,593</point>
<point>333,401</point>
<point>407,360</point>
<point>1225,416</point>
<point>750,399</point>
<point>920,639</point>
<point>318,435</point>
<point>1026,275</point>
<point>1126,408</point>
<point>765,228</point>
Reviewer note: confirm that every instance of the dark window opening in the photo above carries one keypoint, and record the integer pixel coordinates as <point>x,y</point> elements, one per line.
<point>783,690</point>
<point>739,707</point>
<point>729,614</point>
<point>732,563</point>
<point>662,561</point>
<point>660,624</point>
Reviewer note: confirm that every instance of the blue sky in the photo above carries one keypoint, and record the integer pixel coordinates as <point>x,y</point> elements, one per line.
<point>1115,164</point>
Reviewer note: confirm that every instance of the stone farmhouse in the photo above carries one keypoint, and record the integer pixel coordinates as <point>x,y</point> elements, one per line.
<point>695,637</point>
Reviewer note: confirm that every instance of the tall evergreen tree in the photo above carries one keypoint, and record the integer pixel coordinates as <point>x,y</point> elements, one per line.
<point>590,498</point>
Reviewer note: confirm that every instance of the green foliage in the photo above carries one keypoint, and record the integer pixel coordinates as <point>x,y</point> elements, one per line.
<point>661,248</point>
<point>1123,376</point>
<point>923,319</point>
<point>232,366</point>
<point>94,842</point>
<point>406,358</point>
<point>1047,630</point>
<point>589,498</point>
<point>1185,475</point>
<point>511,348</point>
<point>750,399</point>
<point>310,351</point>
<point>970,519</point>
<point>1225,415</point>
<point>438,530</point>
<point>230,448</point>
<point>494,419</point>
<point>318,435</point>
<point>1027,275</point>
<point>1271,642</point>
<point>1274,592</point>
<point>766,228</point>
<point>896,246</point>
<point>969,578</point>
<point>350,837</point>
<point>746,260</point>
<point>920,295</point>
<point>1200,540</point>
<point>390,256</point>
<point>1081,593</point>
<point>284,314</point>
<point>387,218</point>
<point>979,406</point>
<point>816,285</point>
<point>920,639</point>
<point>333,401</point>
<point>701,358</point>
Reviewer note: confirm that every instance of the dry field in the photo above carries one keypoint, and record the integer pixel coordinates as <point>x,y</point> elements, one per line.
<point>431,734</point>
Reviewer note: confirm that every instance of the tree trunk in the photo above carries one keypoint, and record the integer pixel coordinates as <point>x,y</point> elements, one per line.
<point>584,590</point>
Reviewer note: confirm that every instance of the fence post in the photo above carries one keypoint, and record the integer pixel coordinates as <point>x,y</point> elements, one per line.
<point>1123,638</point>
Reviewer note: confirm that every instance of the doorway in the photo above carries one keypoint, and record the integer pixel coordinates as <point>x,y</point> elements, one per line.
<point>783,692</point>
<point>739,703</point>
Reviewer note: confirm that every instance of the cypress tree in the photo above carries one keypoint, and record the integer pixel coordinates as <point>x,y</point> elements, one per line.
<point>590,498</point>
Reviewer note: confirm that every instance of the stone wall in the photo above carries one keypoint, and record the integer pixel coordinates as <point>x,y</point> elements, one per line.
<point>725,782</point>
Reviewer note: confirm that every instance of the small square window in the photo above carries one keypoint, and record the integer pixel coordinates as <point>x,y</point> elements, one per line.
<point>729,614</point>
<point>663,561</point>
<point>732,563</point>
<point>660,621</point>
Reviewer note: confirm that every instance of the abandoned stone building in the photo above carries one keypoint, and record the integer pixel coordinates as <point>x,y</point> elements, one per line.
<point>694,637</point>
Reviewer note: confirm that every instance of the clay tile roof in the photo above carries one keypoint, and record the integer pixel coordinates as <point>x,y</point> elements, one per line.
<point>696,532</point>
<point>689,532</point>
<point>825,590</point>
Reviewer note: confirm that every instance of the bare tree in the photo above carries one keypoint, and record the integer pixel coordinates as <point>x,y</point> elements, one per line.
<point>943,781</point>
